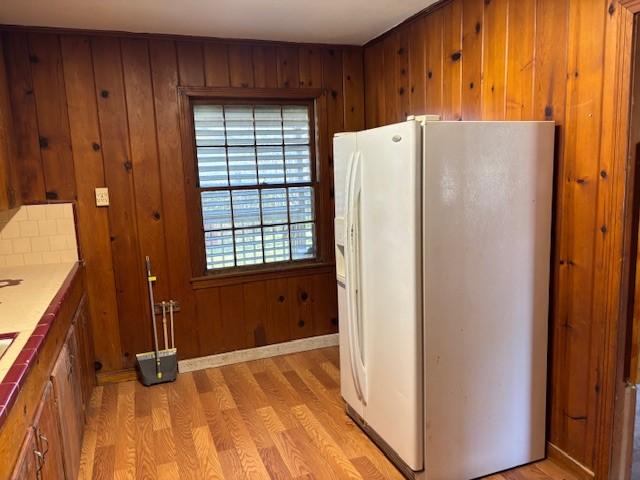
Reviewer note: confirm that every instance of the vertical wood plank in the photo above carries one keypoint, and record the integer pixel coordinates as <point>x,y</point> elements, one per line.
<point>127,265</point>
<point>520,62</point>
<point>240,66</point>
<point>232,317</point>
<point>452,61</point>
<point>494,60</point>
<point>391,44</point>
<point>28,160</point>
<point>402,75</point>
<point>191,63</point>
<point>550,59</point>
<point>209,318</point>
<point>325,304</point>
<point>216,65</point>
<point>374,104</point>
<point>549,104</point>
<point>301,300</point>
<point>288,74</point>
<point>164,76</point>
<point>53,121</point>
<point>417,67</point>
<point>472,27</point>
<point>583,117</point>
<point>310,66</point>
<point>93,222</point>
<point>433,32</point>
<point>265,66</point>
<point>334,113</point>
<point>255,300</point>
<point>353,89</point>
<point>8,178</point>
<point>278,326</point>
<point>146,172</point>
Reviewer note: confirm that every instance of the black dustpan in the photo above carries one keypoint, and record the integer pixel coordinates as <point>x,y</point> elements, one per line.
<point>159,366</point>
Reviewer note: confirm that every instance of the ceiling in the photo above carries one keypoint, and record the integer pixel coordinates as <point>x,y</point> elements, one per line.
<point>320,21</point>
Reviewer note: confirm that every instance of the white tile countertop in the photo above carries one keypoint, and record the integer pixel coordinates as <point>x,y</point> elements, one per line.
<point>22,306</point>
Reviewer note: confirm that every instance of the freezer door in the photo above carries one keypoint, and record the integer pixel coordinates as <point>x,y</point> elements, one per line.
<point>389,223</point>
<point>488,190</point>
<point>344,148</point>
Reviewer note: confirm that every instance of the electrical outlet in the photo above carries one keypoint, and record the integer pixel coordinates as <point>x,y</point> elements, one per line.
<point>102,197</point>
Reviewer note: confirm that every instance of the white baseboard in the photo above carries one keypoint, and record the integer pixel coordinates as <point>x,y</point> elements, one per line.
<point>257,353</point>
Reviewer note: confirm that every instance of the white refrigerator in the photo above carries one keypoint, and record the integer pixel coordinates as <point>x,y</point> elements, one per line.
<point>442,256</point>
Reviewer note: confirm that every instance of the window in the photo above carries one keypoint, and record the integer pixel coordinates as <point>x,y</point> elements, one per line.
<point>256,183</point>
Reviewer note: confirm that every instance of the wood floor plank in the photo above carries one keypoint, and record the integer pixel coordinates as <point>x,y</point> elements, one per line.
<point>245,447</point>
<point>278,418</point>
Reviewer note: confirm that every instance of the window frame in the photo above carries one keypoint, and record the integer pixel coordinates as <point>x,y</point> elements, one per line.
<point>190,96</point>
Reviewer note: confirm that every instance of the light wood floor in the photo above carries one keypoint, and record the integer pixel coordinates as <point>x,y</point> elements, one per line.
<point>278,418</point>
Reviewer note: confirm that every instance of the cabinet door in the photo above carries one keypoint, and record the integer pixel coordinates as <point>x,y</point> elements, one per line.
<point>47,438</point>
<point>68,394</point>
<point>85,351</point>
<point>27,465</point>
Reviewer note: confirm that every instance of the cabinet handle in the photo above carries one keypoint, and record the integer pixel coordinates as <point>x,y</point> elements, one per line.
<point>39,463</point>
<point>46,443</point>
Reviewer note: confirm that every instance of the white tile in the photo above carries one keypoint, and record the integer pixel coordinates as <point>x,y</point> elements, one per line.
<point>14,260</point>
<point>58,242</point>
<point>36,212</point>
<point>40,244</point>
<point>28,228</point>
<point>69,256</point>
<point>47,227</point>
<point>11,230</point>
<point>21,214</point>
<point>49,258</point>
<point>65,226</point>
<point>5,247</point>
<point>33,258</point>
<point>20,245</point>
<point>67,210</point>
<point>55,211</point>
<point>3,260</point>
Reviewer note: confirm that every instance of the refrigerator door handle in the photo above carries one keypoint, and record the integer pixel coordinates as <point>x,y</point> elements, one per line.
<point>353,283</point>
<point>349,279</point>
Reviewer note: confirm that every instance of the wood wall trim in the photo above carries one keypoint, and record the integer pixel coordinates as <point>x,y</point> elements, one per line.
<point>211,281</point>
<point>254,93</point>
<point>568,463</point>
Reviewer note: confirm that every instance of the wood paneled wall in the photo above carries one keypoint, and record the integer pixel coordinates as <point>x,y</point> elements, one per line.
<point>7,147</point>
<point>102,110</point>
<point>536,60</point>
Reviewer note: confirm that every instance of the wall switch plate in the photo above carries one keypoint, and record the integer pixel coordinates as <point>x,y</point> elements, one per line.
<point>102,197</point>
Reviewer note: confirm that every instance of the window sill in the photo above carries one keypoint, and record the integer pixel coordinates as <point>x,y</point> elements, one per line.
<point>235,277</point>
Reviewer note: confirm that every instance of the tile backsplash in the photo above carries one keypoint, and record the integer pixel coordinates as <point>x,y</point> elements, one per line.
<point>38,234</point>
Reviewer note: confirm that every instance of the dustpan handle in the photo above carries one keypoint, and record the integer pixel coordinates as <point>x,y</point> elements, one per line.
<point>150,280</point>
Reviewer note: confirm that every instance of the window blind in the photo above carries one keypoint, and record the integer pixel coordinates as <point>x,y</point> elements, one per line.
<point>256,183</point>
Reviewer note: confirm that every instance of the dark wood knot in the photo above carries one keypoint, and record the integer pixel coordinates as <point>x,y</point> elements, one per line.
<point>95,146</point>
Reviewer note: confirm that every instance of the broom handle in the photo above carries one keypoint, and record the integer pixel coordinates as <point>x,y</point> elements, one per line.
<point>150,280</point>
<point>173,340</point>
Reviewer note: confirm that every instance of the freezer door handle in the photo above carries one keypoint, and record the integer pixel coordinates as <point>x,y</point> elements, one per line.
<point>353,284</point>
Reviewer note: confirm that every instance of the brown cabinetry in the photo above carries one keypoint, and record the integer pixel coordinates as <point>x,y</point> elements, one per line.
<point>42,437</point>
<point>67,384</point>
<point>41,453</point>
<point>29,460</point>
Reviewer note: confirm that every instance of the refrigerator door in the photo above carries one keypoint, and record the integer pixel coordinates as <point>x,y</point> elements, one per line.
<point>391,287</point>
<point>344,147</point>
<point>488,191</point>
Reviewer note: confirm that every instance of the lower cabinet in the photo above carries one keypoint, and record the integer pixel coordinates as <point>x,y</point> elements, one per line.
<point>52,446</point>
<point>67,386</point>
<point>41,454</point>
